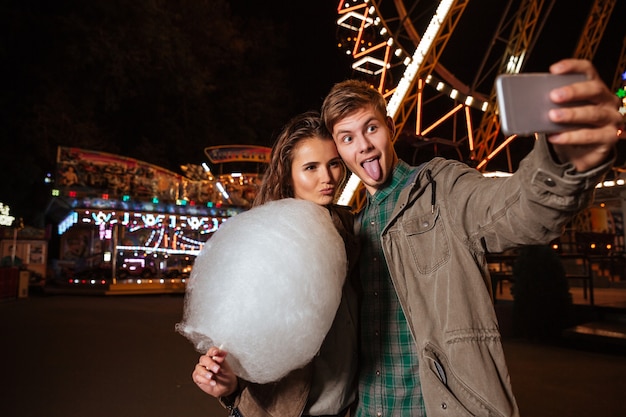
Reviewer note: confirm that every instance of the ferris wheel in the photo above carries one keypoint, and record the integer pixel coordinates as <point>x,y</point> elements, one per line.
<point>436,62</point>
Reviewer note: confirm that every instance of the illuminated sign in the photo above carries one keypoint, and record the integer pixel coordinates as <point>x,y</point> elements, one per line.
<point>68,222</point>
<point>237,153</point>
<point>5,218</point>
<point>135,221</point>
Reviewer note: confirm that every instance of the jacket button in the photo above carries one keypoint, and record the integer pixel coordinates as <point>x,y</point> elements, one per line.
<point>549,182</point>
<point>444,406</point>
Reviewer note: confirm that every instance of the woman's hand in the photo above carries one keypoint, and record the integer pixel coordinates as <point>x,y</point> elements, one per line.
<point>213,375</point>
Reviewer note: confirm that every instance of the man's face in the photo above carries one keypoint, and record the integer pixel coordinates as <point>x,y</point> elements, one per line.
<point>363,140</point>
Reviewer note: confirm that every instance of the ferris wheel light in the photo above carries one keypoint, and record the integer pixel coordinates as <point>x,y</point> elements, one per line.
<point>515,63</point>
<point>360,65</point>
<point>418,57</point>
<point>345,20</point>
<point>349,190</point>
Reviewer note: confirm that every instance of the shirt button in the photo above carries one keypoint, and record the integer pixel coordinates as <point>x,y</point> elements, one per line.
<point>375,293</point>
<point>379,414</point>
<point>372,223</point>
<point>549,182</point>
<point>377,373</point>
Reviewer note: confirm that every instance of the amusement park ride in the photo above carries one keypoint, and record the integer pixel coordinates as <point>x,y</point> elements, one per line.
<point>135,223</point>
<point>436,62</point>
<point>402,48</point>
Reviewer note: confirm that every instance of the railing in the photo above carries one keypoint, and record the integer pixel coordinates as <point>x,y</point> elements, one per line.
<point>577,267</point>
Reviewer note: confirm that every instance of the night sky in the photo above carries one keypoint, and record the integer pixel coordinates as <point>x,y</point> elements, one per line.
<point>312,63</point>
<point>317,63</point>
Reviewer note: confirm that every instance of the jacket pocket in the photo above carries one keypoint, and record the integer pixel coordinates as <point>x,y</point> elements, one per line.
<point>426,238</point>
<point>445,394</point>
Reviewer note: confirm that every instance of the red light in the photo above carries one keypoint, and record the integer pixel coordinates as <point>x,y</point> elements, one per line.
<point>72,194</point>
<point>105,196</point>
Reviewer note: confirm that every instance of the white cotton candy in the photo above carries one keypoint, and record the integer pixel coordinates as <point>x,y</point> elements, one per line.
<point>266,288</point>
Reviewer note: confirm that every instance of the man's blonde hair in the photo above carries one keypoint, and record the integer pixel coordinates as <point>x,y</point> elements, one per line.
<point>347,97</point>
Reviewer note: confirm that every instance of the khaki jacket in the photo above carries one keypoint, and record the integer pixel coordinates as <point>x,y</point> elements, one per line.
<point>288,397</point>
<point>436,257</point>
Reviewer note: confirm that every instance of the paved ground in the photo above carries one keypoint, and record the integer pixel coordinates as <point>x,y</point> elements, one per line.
<point>97,356</point>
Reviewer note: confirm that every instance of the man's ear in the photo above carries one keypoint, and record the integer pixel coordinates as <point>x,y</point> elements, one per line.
<point>391,125</point>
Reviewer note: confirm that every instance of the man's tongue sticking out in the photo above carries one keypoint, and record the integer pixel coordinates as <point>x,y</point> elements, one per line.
<point>372,168</point>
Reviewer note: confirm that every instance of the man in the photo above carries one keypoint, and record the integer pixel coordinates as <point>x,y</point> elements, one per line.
<point>430,343</point>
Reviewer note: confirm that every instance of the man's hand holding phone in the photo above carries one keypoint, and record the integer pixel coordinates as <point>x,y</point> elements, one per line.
<point>582,118</point>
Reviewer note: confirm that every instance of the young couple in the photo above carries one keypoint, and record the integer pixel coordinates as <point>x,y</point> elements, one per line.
<point>429,342</point>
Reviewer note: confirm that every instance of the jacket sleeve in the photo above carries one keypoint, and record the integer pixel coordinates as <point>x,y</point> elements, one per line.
<point>286,397</point>
<point>530,207</point>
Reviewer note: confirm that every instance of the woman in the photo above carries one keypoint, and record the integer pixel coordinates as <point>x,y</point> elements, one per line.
<point>304,165</point>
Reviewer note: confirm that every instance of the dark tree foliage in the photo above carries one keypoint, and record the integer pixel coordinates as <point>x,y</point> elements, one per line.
<point>157,80</point>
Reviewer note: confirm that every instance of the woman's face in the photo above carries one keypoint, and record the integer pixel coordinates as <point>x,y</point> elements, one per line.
<point>316,170</point>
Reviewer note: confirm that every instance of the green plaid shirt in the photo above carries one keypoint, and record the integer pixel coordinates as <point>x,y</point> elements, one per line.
<point>388,374</point>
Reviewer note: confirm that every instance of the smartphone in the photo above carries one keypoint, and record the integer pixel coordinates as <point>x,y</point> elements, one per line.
<point>524,102</point>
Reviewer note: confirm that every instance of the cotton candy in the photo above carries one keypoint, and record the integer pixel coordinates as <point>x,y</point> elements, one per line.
<point>266,288</point>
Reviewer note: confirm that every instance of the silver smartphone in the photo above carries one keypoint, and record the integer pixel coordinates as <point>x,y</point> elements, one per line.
<point>524,102</point>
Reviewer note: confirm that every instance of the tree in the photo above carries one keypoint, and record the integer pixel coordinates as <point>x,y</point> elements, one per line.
<point>156,80</point>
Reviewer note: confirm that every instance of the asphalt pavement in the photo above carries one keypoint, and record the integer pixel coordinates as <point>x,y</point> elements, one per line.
<point>105,356</point>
